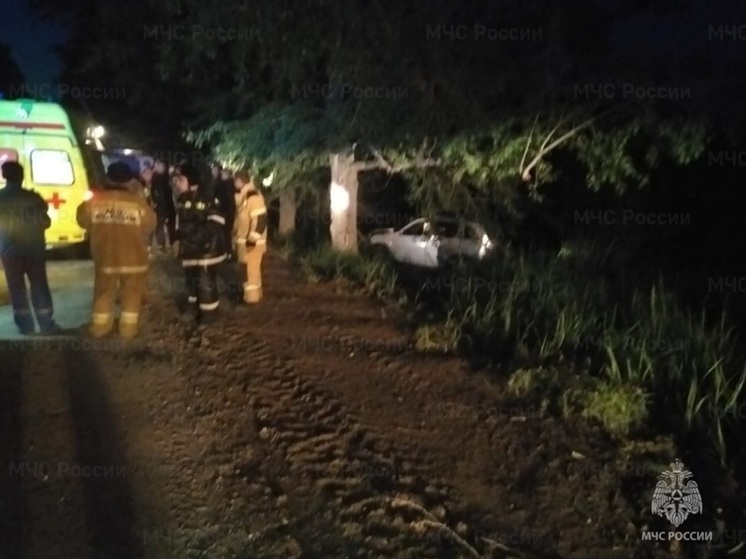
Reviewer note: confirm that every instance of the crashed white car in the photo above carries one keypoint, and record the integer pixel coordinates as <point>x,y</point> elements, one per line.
<point>430,243</point>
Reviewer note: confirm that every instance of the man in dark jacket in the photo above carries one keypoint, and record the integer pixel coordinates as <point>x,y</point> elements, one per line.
<point>23,220</point>
<point>226,193</point>
<point>163,203</point>
<point>200,242</point>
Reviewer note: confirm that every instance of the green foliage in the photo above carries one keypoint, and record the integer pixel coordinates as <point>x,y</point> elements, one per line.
<point>375,276</point>
<point>309,98</point>
<point>286,82</point>
<point>560,309</point>
<point>523,382</point>
<point>621,409</point>
<point>441,338</point>
<point>279,137</point>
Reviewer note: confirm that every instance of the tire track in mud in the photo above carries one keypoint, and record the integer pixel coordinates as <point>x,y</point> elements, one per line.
<point>336,481</point>
<point>320,468</point>
<point>194,518</point>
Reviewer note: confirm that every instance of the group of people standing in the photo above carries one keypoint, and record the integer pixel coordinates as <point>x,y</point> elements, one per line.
<point>217,229</point>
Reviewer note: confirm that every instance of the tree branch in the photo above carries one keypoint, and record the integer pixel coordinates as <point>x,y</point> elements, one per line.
<point>551,133</point>
<point>526,171</point>
<point>420,161</point>
<point>528,142</point>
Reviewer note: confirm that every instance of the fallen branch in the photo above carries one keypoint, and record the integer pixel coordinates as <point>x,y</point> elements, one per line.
<point>434,523</point>
<point>450,533</point>
<point>399,503</point>
<point>431,522</point>
<point>508,550</point>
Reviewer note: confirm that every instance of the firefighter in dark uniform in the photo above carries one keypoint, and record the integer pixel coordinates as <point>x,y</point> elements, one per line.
<point>23,220</point>
<point>225,194</point>
<point>200,242</point>
<point>250,233</point>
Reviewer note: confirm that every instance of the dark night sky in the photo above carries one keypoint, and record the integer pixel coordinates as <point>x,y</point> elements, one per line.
<point>30,42</point>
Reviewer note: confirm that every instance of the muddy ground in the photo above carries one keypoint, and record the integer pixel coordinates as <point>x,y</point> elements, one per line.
<point>304,427</point>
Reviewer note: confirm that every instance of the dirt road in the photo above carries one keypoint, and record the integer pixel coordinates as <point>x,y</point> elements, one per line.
<point>304,427</point>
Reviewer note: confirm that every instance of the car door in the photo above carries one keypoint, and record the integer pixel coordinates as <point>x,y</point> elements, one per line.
<point>428,245</point>
<point>447,232</point>
<point>471,241</point>
<point>404,244</point>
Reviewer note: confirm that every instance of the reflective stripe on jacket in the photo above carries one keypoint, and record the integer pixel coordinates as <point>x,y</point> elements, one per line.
<point>251,219</point>
<point>200,230</point>
<point>119,223</point>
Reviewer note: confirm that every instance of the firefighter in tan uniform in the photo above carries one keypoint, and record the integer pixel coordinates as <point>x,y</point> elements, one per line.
<point>119,223</point>
<point>250,234</point>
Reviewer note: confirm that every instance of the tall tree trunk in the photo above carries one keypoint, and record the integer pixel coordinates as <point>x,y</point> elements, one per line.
<point>288,208</point>
<point>343,200</point>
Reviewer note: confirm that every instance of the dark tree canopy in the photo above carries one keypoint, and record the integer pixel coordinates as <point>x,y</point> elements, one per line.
<point>492,89</point>
<point>11,75</point>
<point>110,54</point>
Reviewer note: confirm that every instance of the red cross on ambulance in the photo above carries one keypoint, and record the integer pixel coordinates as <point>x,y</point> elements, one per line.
<point>54,202</point>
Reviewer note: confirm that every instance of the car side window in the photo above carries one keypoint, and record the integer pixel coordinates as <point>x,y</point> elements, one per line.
<point>447,229</point>
<point>415,230</point>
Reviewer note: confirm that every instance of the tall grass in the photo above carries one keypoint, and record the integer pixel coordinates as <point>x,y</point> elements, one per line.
<point>637,348</point>
<point>375,275</point>
<point>643,342</point>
